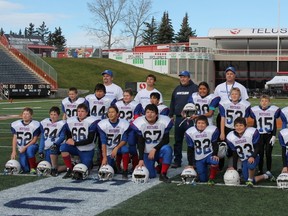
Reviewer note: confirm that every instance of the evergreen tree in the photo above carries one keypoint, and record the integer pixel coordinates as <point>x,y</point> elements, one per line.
<point>150,34</point>
<point>31,30</point>
<point>59,40</point>
<point>1,31</point>
<point>43,31</point>
<point>185,32</point>
<point>165,31</point>
<point>49,40</point>
<point>20,32</point>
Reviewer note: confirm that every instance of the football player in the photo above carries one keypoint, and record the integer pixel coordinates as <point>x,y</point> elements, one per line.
<point>244,142</point>
<point>265,117</point>
<point>203,148</point>
<point>155,99</point>
<point>25,135</point>
<point>114,135</point>
<point>52,136</point>
<point>80,134</point>
<point>70,103</point>
<point>153,141</point>
<point>283,141</point>
<point>205,102</point>
<point>129,110</point>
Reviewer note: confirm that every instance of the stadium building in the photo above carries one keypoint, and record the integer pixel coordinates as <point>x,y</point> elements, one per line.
<point>252,51</point>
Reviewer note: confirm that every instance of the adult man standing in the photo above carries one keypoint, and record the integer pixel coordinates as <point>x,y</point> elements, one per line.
<point>112,90</point>
<point>179,99</point>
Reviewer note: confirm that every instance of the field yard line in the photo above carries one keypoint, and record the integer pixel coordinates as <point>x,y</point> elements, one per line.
<point>33,101</point>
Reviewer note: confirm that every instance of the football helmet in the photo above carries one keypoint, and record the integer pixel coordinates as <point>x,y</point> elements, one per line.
<point>80,172</point>
<point>188,175</point>
<point>106,172</point>
<point>43,168</point>
<point>140,175</point>
<point>189,110</point>
<point>12,167</point>
<point>222,150</point>
<point>282,181</point>
<point>231,178</point>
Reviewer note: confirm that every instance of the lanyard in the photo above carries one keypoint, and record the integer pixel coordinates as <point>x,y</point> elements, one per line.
<point>229,92</point>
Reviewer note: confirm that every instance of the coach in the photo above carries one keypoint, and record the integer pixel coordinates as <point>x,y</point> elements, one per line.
<point>179,99</point>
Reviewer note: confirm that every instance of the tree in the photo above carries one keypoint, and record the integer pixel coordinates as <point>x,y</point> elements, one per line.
<point>185,32</point>
<point>20,32</point>
<point>165,31</point>
<point>106,15</point>
<point>30,30</point>
<point>137,14</point>
<point>2,31</point>
<point>43,31</point>
<point>59,40</point>
<point>149,35</point>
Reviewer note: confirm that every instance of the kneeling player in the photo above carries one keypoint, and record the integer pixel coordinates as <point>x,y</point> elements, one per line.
<point>153,141</point>
<point>244,142</point>
<point>203,148</point>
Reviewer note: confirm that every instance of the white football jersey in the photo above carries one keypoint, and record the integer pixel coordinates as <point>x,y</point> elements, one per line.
<point>231,111</point>
<point>114,135</point>
<point>25,133</point>
<point>204,105</point>
<point>163,109</point>
<point>202,141</point>
<point>244,145</point>
<point>283,139</point>
<point>127,111</point>
<point>265,118</point>
<point>51,131</point>
<point>70,108</point>
<point>81,129</point>
<point>114,91</point>
<point>143,97</point>
<point>152,134</point>
<point>98,108</point>
<point>223,91</point>
<point>284,117</point>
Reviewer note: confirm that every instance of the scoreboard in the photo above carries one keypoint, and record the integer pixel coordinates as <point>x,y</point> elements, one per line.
<point>20,90</point>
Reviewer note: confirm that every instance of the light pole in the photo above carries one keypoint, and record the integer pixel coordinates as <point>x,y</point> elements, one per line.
<point>278,37</point>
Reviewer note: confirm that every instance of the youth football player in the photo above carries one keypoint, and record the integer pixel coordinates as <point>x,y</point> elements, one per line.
<point>25,135</point>
<point>153,141</point>
<point>283,141</point>
<point>155,99</point>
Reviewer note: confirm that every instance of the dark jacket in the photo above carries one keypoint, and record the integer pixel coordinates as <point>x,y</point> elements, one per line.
<point>180,97</point>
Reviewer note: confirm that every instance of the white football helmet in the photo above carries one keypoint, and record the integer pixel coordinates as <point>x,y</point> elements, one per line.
<point>222,150</point>
<point>188,175</point>
<point>231,178</point>
<point>282,181</point>
<point>140,175</point>
<point>12,167</point>
<point>106,172</point>
<point>43,168</point>
<point>189,110</point>
<point>80,172</point>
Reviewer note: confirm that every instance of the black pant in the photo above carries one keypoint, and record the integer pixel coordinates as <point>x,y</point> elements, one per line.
<point>264,144</point>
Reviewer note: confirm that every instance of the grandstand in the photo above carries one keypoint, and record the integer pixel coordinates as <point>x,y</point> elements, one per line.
<point>22,73</point>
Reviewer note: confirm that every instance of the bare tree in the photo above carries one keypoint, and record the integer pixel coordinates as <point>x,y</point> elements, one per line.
<point>106,14</point>
<point>138,13</point>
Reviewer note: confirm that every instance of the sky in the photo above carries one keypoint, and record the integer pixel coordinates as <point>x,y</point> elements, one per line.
<point>203,15</point>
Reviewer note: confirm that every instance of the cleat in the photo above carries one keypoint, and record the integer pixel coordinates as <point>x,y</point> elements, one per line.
<point>249,184</point>
<point>270,176</point>
<point>125,175</point>
<point>33,171</point>
<point>158,168</point>
<point>164,178</point>
<point>68,174</point>
<point>175,165</point>
<point>54,172</point>
<point>211,182</point>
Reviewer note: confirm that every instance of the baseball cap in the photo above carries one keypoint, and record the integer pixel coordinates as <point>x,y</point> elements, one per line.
<point>108,72</point>
<point>184,73</point>
<point>232,69</point>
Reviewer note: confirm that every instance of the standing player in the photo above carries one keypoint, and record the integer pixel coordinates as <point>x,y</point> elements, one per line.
<point>80,134</point>
<point>130,110</point>
<point>70,103</point>
<point>283,141</point>
<point>52,137</point>
<point>203,148</point>
<point>205,102</point>
<point>265,117</point>
<point>153,141</point>
<point>143,96</point>
<point>155,99</point>
<point>25,135</point>
<point>114,135</point>
<point>112,90</point>
<point>284,117</point>
<point>244,142</point>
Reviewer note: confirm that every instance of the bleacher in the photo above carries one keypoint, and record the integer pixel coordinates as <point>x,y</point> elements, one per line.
<point>12,71</point>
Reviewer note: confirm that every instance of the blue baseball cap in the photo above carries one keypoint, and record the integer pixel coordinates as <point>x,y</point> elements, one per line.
<point>108,72</point>
<point>232,69</point>
<point>184,73</point>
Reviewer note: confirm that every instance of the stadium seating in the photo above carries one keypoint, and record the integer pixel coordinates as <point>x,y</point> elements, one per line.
<point>13,72</point>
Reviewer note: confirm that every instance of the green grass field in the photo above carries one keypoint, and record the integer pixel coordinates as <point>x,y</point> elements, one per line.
<point>163,199</point>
